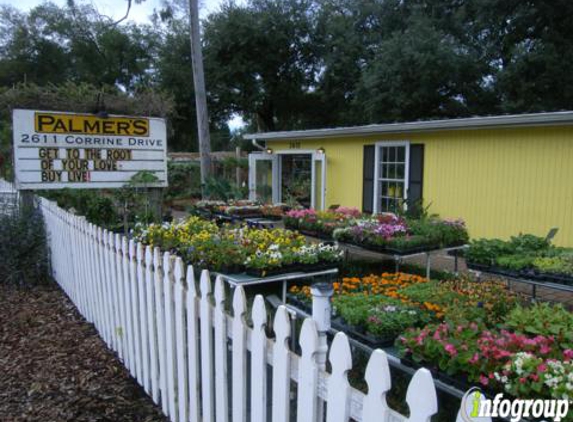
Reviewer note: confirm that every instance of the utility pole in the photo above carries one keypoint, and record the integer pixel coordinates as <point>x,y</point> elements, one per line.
<point>200,93</point>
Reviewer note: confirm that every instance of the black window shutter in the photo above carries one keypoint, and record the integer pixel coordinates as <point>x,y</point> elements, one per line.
<point>368,179</point>
<point>416,177</point>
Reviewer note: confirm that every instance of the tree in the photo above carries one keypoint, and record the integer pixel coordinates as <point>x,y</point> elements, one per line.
<point>260,62</point>
<point>200,91</point>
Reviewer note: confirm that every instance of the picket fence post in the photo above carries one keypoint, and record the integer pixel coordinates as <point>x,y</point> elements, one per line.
<point>193,346</point>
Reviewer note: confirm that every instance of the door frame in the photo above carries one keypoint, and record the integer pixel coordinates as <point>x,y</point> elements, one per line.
<point>263,156</point>
<point>276,160</point>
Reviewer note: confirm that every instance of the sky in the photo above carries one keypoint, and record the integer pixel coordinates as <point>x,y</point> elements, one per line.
<point>116,8</point>
<point>139,13</point>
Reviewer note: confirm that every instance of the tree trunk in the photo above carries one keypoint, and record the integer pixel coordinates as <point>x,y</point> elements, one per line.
<point>200,94</point>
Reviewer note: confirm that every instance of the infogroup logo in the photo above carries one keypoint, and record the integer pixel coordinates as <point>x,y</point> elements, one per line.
<point>476,407</point>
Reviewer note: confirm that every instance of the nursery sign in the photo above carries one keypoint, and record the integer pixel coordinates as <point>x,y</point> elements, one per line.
<point>54,150</point>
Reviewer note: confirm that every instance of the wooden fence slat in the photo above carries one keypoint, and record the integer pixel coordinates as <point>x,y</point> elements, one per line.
<point>220,319</point>
<point>421,397</point>
<point>117,327</point>
<point>259,362</point>
<point>143,329</point>
<point>281,367</point>
<point>206,348</point>
<point>160,316</point>
<point>135,311</point>
<point>130,333</point>
<point>121,289</point>
<point>150,270</point>
<point>239,363</point>
<point>379,383</point>
<point>307,404</point>
<point>169,306</point>
<point>104,287</point>
<point>109,289</point>
<point>338,404</point>
<point>181,342</point>
<point>193,346</point>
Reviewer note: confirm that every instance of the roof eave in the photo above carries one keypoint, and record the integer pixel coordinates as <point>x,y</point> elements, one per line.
<point>521,120</point>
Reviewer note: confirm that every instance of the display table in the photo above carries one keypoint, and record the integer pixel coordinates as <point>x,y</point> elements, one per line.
<point>244,279</point>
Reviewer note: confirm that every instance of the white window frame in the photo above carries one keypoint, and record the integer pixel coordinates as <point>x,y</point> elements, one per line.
<point>378,145</point>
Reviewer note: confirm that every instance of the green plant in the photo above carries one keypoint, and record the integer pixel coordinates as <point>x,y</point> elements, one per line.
<point>515,262</point>
<point>486,251</point>
<point>524,243</point>
<point>543,319</point>
<point>23,249</point>
<point>555,264</point>
<point>183,179</point>
<point>223,189</point>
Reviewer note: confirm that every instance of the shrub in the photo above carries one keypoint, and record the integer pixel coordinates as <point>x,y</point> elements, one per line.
<point>23,251</point>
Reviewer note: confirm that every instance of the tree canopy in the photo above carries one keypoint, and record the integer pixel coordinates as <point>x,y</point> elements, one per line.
<point>297,64</point>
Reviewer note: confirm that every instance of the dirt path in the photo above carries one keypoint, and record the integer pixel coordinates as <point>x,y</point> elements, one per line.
<point>54,367</point>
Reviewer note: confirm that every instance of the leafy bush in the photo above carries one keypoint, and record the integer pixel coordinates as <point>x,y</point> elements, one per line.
<point>184,180</point>
<point>23,252</point>
<point>224,190</point>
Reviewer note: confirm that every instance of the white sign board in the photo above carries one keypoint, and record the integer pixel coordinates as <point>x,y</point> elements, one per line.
<point>54,150</point>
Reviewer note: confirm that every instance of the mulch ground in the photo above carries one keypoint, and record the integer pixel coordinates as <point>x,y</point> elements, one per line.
<point>54,367</point>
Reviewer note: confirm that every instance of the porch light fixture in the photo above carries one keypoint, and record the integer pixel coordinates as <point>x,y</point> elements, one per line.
<point>269,150</point>
<point>320,150</point>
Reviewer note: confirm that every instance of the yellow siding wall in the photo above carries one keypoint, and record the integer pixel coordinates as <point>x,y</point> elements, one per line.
<point>501,182</point>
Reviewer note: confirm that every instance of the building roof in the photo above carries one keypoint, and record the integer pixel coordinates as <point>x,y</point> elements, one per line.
<point>508,120</point>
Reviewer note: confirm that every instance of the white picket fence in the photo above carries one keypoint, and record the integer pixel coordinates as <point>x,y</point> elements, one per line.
<point>175,339</point>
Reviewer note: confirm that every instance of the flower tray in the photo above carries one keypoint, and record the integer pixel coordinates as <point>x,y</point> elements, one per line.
<point>261,273</point>
<point>361,336</point>
<point>271,217</point>
<point>408,361</point>
<point>393,251</point>
<point>316,234</point>
<point>526,274</point>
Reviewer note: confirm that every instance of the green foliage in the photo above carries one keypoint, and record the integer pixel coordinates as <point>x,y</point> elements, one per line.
<point>184,180</point>
<point>96,205</point>
<point>528,243</point>
<point>378,315</point>
<point>543,319</point>
<point>486,251</point>
<point>514,262</point>
<point>555,264</point>
<point>224,190</point>
<point>23,248</point>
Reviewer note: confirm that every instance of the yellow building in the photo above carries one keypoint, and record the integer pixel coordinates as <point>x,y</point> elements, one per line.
<point>503,175</point>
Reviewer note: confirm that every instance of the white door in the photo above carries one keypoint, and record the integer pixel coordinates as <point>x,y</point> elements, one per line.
<point>318,194</point>
<point>263,178</point>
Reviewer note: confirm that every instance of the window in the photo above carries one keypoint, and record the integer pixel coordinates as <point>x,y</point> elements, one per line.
<point>392,165</point>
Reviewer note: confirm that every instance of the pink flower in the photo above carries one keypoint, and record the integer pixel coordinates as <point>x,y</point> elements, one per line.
<point>568,354</point>
<point>534,377</point>
<point>542,368</point>
<point>522,380</point>
<point>544,349</point>
<point>483,380</point>
<point>474,358</point>
<point>451,349</point>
